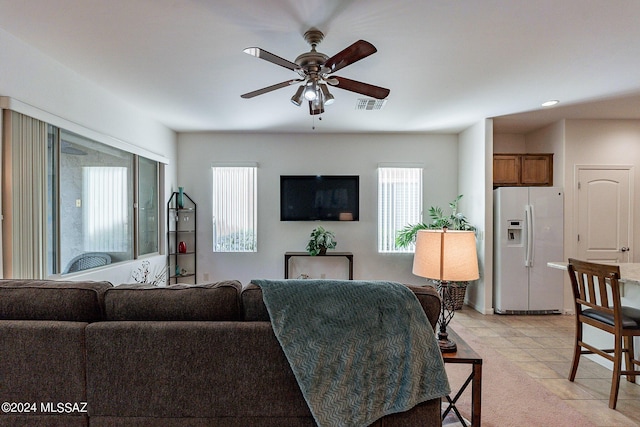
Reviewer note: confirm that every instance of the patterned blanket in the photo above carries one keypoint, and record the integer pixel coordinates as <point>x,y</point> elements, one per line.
<point>358,349</point>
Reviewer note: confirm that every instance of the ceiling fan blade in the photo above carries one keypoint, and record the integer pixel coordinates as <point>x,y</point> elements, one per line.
<point>270,88</point>
<point>376,92</point>
<point>268,56</point>
<point>357,51</point>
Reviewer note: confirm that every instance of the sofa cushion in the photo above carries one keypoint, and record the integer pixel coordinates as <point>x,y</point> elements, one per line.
<point>51,300</point>
<point>205,302</point>
<point>42,361</point>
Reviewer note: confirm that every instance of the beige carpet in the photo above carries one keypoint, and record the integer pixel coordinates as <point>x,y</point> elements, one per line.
<point>509,396</point>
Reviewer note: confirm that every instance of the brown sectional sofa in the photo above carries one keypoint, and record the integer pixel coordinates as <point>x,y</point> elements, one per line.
<point>89,353</point>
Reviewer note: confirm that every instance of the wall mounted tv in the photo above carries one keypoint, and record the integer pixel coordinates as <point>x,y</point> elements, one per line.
<point>319,197</point>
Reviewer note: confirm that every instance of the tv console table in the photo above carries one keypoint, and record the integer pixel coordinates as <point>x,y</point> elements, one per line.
<point>347,255</point>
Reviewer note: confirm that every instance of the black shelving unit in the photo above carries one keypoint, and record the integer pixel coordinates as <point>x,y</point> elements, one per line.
<point>181,227</point>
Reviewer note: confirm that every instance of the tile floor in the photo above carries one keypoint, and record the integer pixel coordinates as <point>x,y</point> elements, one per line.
<point>543,347</point>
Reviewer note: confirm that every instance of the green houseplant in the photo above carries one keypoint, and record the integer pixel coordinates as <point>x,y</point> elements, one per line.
<point>453,221</point>
<point>320,241</point>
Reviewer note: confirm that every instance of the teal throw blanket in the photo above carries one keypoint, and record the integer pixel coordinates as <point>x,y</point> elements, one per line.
<point>358,349</point>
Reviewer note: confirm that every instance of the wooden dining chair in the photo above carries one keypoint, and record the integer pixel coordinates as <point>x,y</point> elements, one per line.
<point>596,294</point>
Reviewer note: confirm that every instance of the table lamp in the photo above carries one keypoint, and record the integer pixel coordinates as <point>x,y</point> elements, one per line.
<point>446,256</point>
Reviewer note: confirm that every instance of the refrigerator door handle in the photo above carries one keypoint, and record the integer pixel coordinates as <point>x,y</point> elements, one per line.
<point>529,255</point>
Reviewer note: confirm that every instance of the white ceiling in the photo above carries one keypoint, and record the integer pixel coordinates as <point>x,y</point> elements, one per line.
<point>448,63</point>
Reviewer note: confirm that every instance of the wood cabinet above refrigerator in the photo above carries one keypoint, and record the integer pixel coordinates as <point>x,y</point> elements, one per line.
<point>516,170</point>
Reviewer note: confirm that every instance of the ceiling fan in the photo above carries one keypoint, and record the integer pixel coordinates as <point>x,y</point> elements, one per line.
<point>316,73</point>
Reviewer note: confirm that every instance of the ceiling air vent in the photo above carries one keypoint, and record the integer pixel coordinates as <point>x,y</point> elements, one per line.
<point>370,104</point>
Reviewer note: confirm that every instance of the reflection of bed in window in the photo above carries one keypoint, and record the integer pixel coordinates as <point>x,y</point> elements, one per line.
<point>86,261</point>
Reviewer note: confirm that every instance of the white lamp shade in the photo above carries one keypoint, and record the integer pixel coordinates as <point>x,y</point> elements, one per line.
<point>446,255</point>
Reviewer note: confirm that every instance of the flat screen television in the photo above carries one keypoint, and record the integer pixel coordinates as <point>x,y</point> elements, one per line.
<point>319,197</point>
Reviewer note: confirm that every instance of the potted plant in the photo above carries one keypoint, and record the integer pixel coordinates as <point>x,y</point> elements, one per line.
<point>320,241</point>
<point>454,221</point>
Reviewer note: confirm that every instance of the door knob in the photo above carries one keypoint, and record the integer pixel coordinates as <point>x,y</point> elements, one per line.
<point>624,249</point>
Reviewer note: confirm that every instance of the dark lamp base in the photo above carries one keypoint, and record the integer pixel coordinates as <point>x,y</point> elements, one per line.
<point>447,346</point>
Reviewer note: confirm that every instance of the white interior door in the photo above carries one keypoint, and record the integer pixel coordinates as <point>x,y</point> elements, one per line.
<point>604,214</point>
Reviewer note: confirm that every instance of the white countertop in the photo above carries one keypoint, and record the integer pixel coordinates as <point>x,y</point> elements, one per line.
<point>629,272</point>
<point>557,264</point>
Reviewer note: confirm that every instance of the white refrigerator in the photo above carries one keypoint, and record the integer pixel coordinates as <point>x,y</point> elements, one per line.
<point>528,233</point>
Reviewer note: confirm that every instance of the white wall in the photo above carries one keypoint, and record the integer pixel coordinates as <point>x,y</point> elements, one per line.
<point>279,154</point>
<point>509,143</point>
<point>29,76</point>
<point>475,178</point>
<point>601,142</point>
<point>550,139</point>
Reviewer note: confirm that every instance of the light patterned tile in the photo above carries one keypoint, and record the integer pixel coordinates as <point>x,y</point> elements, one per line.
<point>525,342</point>
<point>566,389</point>
<point>555,342</point>
<point>630,408</point>
<point>599,413</point>
<point>599,387</point>
<point>498,342</point>
<point>537,370</point>
<point>533,332</point>
<point>545,354</point>
<point>561,368</point>
<point>485,332</point>
<point>516,354</point>
<point>542,346</point>
<point>505,331</point>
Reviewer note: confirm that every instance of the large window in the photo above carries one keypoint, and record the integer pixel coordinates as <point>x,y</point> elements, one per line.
<point>234,208</point>
<point>399,204</point>
<point>74,202</point>
<point>92,195</point>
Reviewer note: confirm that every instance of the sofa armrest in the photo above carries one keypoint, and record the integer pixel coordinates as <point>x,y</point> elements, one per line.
<point>429,300</point>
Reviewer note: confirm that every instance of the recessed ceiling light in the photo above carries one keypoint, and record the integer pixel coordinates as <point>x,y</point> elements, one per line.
<point>550,103</point>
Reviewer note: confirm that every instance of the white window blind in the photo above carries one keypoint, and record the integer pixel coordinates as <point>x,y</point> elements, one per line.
<point>399,204</point>
<point>105,219</point>
<point>26,200</point>
<point>234,208</point>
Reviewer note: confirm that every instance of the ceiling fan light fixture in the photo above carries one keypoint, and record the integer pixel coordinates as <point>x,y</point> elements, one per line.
<point>326,95</point>
<point>297,98</point>
<point>314,69</point>
<point>316,107</point>
<point>311,91</point>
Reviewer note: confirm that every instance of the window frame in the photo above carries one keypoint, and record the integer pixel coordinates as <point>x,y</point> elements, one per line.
<point>55,261</point>
<point>245,241</point>
<point>388,214</point>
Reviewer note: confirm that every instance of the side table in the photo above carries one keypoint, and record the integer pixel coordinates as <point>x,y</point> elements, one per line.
<point>347,255</point>
<point>466,355</point>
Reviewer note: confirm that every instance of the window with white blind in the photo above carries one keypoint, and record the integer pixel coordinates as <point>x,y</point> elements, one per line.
<point>235,208</point>
<point>105,219</point>
<point>399,204</point>
<point>80,212</point>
